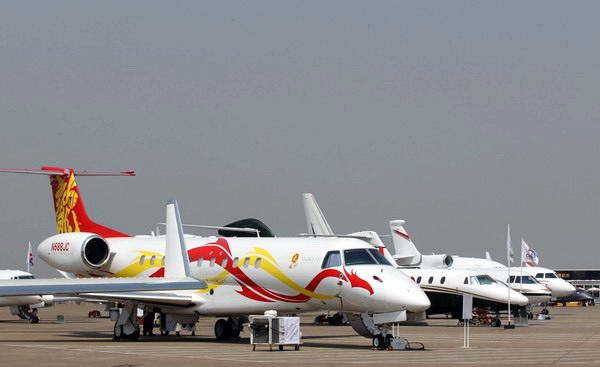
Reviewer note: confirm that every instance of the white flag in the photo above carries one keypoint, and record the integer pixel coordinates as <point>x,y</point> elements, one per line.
<point>528,255</point>
<point>509,249</point>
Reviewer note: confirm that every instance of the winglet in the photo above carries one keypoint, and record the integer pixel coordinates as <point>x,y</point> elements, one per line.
<point>177,263</point>
<point>315,220</point>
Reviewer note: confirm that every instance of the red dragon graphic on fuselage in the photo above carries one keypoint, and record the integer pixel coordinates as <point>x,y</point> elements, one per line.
<point>220,250</point>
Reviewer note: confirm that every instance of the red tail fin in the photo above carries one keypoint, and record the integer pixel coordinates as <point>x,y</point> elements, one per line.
<point>71,215</point>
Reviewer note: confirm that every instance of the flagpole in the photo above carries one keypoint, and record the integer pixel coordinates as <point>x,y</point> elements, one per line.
<point>508,248</point>
<point>522,257</point>
<point>28,256</point>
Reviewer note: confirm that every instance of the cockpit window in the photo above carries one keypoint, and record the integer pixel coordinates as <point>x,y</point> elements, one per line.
<point>485,279</point>
<point>332,259</point>
<point>379,257</point>
<point>473,280</point>
<point>362,256</point>
<point>525,279</point>
<point>551,275</point>
<point>539,275</point>
<point>358,256</point>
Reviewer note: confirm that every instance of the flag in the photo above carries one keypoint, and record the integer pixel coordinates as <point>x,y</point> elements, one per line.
<point>528,255</point>
<point>509,249</point>
<point>29,258</point>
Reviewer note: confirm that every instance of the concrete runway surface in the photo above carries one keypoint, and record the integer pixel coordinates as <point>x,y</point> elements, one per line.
<point>571,337</point>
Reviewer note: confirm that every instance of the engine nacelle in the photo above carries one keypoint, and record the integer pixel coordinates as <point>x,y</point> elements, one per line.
<point>436,261</point>
<point>75,252</point>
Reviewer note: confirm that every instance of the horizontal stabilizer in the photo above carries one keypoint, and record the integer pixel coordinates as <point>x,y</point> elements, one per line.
<point>55,171</point>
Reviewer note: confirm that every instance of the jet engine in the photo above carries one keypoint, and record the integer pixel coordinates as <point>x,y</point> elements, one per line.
<point>436,261</point>
<point>75,252</point>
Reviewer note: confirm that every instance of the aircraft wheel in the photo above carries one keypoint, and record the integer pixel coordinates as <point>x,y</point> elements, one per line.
<point>222,330</point>
<point>117,332</point>
<point>34,320</point>
<point>235,328</point>
<point>378,342</point>
<point>545,311</point>
<point>337,319</point>
<point>496,322</point>
<point>281,347</point>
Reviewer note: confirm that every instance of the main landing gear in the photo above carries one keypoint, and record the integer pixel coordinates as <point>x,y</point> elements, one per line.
<point>227,329</point>
<point>126,331</point>
<point>127,326</point>
<point>27,313</point>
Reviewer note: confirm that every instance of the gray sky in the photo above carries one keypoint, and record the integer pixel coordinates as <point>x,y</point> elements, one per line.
<point>459,117</point>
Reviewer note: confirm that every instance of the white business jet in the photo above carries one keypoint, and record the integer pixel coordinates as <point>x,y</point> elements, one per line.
<point>444,287</point>
<point>175,290</point>
<point>25,307</point>
<point>245,275</point>
<point>407,255</point>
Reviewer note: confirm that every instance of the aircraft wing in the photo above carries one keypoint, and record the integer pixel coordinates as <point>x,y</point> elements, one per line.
<point>148,299</point>
<point>80,286</point>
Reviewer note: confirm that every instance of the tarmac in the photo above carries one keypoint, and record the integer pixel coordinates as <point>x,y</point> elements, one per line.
<point>570,337</point>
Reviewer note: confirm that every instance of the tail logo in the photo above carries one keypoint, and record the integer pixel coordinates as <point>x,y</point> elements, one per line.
<point>65,199</point>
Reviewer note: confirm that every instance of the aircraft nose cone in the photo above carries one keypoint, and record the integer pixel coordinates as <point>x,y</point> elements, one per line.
<point>418,301</point>
<point>399,292</point>
<point>562,290</point>
<point>518,298</point>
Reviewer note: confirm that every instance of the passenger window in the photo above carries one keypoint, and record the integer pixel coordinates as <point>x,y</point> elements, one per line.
<point>257,263</point>
<point>246,262</point>
<point>162,261</point>
<point>152,260</point>
<point>332,259</point>
<point>235,262</point>
<point>443,280</point>
<point>142,259</point>
<point>212,261</point>
<point>419,280</point>
<point>224,262</point>
<point>200,260</point>
<point>430,280</point>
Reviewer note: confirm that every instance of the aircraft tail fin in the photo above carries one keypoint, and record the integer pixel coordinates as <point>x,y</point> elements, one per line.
<point>405,252</point>
<point>488,256</point>
<point>315,220</point>
<point>70,212</point>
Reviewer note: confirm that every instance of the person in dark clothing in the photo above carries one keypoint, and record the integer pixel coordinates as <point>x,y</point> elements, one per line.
<point>149,324</point>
